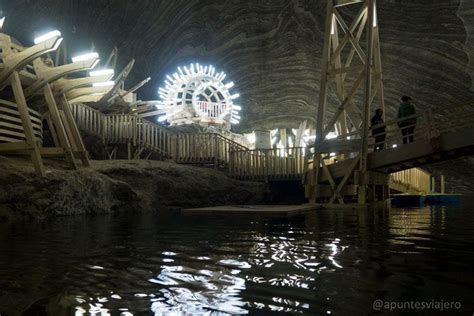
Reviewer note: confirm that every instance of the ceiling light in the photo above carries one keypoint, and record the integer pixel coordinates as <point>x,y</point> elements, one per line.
<point>102,72</point>
<point>85,57</point>
<point>43,37</point>
<point>103,84</point>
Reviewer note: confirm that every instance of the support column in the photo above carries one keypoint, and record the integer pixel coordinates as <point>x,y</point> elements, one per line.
<point>58,124</point>
<point>367,103</point>
<point>26,123</point>
<point>442,184</point>
<point>76,135</point>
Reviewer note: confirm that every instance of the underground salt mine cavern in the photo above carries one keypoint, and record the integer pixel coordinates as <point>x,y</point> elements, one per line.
<point>216,157</point>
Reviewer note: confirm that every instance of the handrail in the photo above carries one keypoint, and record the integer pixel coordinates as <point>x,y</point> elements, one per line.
<point>129,128</point>
<point>447,113</point>
<point>124,128</point>
<point>265,164</point>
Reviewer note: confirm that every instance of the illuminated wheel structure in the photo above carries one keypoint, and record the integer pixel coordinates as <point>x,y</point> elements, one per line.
<point>199,95</point>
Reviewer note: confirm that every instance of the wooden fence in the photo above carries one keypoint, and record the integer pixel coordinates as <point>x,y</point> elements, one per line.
<point>198,148</point>
<point>205,148</point>
<point>409,180</point>
<point>268,164</point>
<point>11,128</point>
<point>125,129</point>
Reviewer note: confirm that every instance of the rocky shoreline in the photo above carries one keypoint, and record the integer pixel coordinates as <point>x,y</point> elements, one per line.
<point>116,185</point>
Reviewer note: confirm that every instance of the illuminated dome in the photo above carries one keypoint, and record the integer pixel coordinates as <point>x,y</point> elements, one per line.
<point>198,94</point>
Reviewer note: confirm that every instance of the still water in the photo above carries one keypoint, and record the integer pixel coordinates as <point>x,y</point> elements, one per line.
<point>325,263</point>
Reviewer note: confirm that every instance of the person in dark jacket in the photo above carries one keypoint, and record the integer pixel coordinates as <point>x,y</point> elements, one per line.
<point>407,127</point>
<point>378,132</point>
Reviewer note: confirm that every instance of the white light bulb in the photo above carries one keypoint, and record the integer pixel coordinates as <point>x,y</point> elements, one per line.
<point>235,96</point>
<point>43,37</point>
<point>236,107</point>
<point>332,154</point>
<point>229,85</point>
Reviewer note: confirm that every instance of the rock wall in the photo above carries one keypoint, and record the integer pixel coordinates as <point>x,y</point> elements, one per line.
<point>111,186</point>
<point>270,49</point>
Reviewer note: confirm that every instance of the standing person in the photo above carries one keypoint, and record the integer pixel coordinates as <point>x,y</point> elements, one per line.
<point>407,127</point>
<point>379,132</point>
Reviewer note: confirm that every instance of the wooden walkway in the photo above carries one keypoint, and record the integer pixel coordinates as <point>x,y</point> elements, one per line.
<point>288,210</point>
<point>439,135</point>
<point>144,137</point>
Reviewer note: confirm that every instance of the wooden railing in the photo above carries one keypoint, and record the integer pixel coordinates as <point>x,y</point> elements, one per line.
<point>268,164</point>
<point>11,128</point>
<point>124,129</point>
<point>205,148</point>
<point>411,180</point>
<point>424,126</point>
<point>199,148</point>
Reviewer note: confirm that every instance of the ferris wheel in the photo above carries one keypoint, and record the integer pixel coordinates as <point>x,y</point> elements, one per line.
<point>198,94</point>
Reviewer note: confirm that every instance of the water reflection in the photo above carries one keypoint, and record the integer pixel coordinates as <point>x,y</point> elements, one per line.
<point>330,262</point>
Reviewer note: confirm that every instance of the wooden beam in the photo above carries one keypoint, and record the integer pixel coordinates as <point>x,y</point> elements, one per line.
<point>76,135</point>
<point>59,126</point>
<point>26,123</point>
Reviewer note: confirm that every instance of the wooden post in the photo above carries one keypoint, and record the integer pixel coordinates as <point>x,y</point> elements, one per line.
<point>442,184</point>
<point>433,189</point>
<point>58,124</point>
<point>367,103</point>
<point>26,123</point>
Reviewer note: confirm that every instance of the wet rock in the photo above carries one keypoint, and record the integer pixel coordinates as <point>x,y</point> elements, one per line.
<point>113,185</point>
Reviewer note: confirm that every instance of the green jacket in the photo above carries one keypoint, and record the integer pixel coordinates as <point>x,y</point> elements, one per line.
<point>406,109</point>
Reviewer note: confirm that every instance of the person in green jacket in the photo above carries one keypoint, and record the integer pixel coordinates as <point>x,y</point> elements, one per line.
<point>407,127</point>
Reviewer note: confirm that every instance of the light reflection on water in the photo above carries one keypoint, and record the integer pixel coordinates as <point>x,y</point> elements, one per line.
<point>329,262</point>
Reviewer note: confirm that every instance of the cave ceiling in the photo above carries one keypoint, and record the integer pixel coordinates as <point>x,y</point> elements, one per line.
<point>270,48</point>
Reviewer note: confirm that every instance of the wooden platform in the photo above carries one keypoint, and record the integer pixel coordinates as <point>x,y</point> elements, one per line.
<point>288,210</point>
<point>420,200</point>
